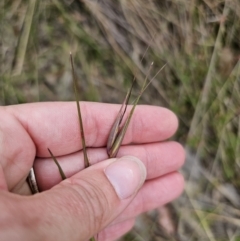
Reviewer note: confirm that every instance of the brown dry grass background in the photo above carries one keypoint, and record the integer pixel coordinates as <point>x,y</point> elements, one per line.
<point>199,41</point>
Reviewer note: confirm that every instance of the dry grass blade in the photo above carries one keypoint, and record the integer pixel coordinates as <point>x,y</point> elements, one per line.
<point>120,133</point>
<point>21,49</point>
<point>86,161</point>
<point>116,125</point>
<point>58,165</point>
<point>117,141</point>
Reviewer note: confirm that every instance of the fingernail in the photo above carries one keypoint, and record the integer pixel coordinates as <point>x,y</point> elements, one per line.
<point>126,174</point>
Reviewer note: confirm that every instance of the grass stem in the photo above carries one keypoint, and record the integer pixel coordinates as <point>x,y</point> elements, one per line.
<point>86,160</point>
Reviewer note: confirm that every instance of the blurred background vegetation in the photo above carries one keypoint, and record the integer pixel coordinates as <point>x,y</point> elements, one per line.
<point>200,42</point>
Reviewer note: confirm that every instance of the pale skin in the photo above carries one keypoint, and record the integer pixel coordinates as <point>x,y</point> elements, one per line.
<point>85,203</point>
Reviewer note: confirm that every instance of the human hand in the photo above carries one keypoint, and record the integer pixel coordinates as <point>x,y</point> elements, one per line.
<point>86,203</point>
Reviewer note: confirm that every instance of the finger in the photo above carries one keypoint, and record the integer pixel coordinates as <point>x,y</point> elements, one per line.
<point>77,208</point>
<point>159,159</point>
<point>3,183</point>
<point>17,152</point>
<point>55,125</point>
<point>114,232</point>
<point>154,193</point>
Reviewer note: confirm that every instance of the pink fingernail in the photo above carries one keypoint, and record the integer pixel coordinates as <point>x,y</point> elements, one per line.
<point>126,175</point>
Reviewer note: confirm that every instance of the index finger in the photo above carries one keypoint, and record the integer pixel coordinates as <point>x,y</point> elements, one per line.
<point>55,125</point>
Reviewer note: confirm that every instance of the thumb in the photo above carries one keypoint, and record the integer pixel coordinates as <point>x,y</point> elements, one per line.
<point>81,206</point>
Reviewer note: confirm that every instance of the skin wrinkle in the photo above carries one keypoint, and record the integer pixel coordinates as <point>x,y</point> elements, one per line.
<point>12,160</point>
<point>141,202</point>
<point>1,141</point>
<point>25,128</point>
<point>26,122</point>
<point>145,151</point>
<point>92,199</point>
<point>3,184</point>
<point>72,206</point>
<point>96,127</point>
<point>21,186</point>
<point>15,162</point>
<point>76,197</point>
<point>176,161</point>
<point>153,156</point>
<point>23,122</point>
<point>55,209</point>
<point>94,208</point>
<point>112,232</point>
<point>139,126</point>
<point>7,160</point>
<point>92,125</point>
<point>104,205</point>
